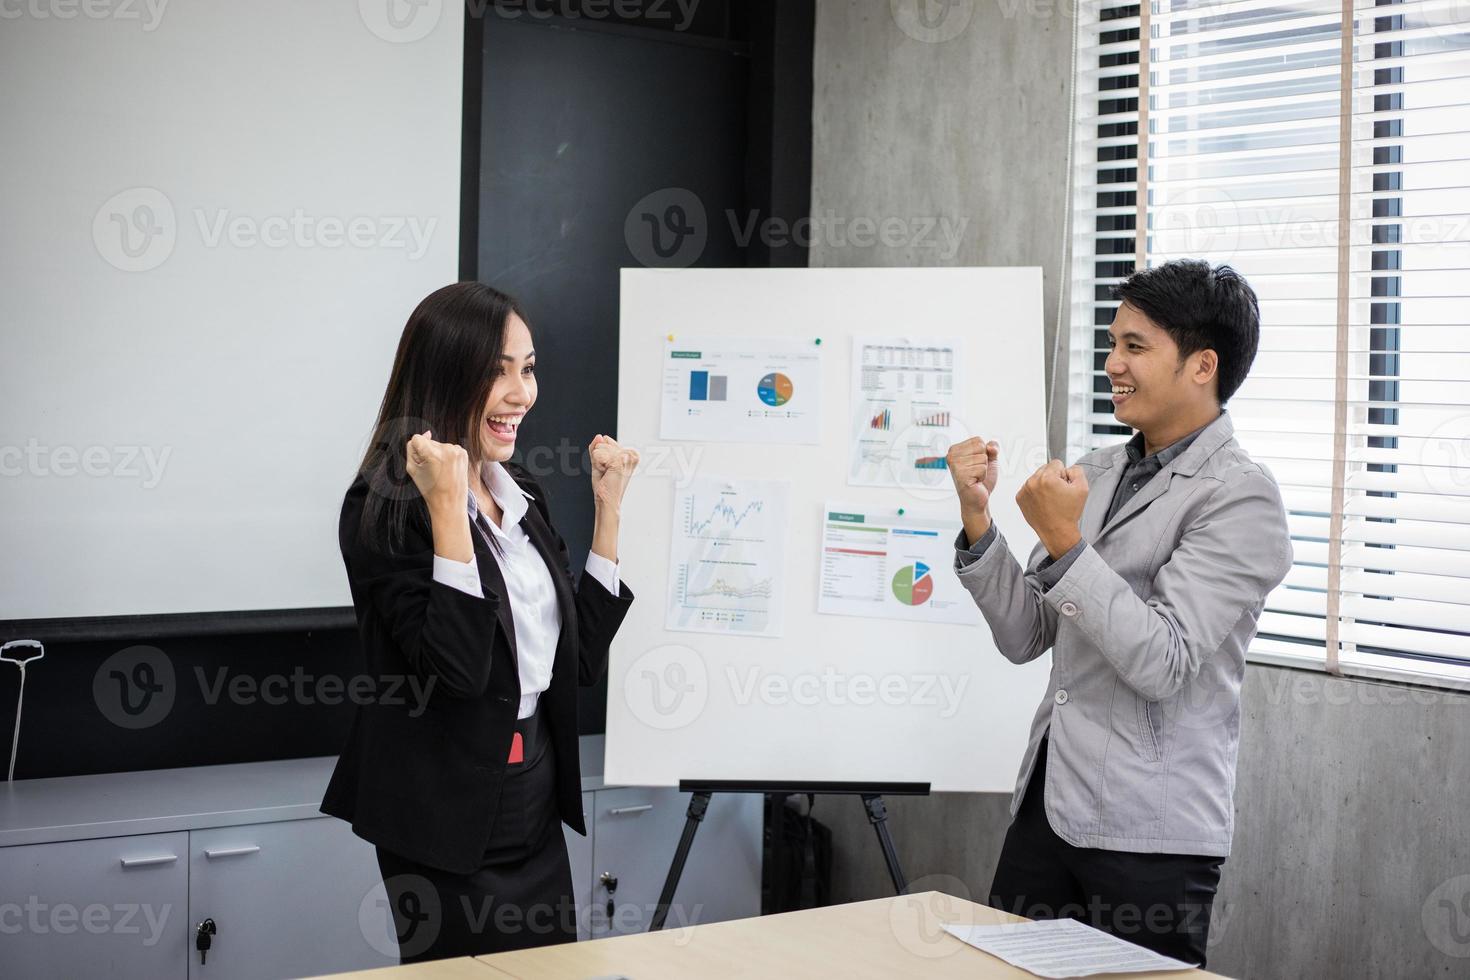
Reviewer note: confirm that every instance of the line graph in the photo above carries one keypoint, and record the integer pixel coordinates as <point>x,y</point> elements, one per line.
<point>723,509</point>
<point>722,588</point>
<point>728,556</point>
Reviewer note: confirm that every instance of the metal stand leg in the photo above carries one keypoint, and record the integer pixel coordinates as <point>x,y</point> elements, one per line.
<point>698,803</point>
<point>878,817</point>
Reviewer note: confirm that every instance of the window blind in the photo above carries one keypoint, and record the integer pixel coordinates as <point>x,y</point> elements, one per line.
<point>1362,382</point>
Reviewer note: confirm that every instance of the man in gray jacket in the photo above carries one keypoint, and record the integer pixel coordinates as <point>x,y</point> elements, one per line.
<point>1154,564</point>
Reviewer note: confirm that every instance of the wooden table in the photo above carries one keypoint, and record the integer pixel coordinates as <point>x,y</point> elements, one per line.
<point>884,938</point>
<point>456,968</point>
<point>887,938</point>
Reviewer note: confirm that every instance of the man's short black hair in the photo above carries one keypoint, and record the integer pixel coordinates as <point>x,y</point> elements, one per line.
<point>1201,308</point>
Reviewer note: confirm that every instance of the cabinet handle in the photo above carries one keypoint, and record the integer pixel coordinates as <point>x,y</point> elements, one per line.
<point>618,811</point>
<point>229,852</point>
<point>149,861</point>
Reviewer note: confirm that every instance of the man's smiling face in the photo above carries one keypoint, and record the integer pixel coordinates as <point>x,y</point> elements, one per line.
<point>1151,384</point>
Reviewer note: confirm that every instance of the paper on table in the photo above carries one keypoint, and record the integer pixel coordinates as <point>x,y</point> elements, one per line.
<point>1062,948</point>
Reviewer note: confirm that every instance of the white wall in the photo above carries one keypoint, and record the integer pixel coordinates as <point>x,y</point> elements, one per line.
<point>216,219</point>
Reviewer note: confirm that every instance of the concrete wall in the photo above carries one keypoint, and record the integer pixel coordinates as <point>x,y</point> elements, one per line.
<point>1352,855</point>
<point>909,129</point>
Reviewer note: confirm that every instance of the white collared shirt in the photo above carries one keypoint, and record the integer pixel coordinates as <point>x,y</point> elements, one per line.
<point>528,582</point>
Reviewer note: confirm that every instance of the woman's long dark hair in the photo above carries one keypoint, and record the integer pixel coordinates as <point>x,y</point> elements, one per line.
<point>442,375</point>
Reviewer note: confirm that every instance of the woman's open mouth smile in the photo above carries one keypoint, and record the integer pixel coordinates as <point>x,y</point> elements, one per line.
<point>503,427</point>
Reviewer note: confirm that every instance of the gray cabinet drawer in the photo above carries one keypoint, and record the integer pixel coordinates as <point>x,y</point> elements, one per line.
<point>637,830</point>
<point>115,907</point>
<point>295,898</point>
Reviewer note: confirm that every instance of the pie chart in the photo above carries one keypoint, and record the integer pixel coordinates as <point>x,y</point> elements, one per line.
<point>774,389</point>
<point>913,585</point>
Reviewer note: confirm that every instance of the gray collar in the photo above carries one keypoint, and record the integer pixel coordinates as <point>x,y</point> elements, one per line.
<point>1193,449</point>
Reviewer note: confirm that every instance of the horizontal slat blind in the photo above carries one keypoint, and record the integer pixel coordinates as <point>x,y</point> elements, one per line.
<point>1243,168</point>
<point>1408,436</point>
<point>1104,207</point>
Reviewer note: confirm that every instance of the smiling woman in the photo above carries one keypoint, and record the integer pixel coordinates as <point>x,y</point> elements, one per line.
<point>446,362</point>
<point>459,581</point>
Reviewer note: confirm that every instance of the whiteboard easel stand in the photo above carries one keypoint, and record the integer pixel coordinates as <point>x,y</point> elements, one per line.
<point>702,789</point>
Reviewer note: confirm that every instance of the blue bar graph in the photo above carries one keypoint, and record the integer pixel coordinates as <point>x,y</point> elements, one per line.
<point>698,386</point>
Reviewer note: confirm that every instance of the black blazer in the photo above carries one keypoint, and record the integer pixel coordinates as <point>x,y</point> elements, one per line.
<point>423,779</point>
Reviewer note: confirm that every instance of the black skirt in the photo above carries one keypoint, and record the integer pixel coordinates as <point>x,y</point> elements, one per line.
<point>521,895</point>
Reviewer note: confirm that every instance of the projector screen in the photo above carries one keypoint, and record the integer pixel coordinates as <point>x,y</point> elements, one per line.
<point>217,217</point>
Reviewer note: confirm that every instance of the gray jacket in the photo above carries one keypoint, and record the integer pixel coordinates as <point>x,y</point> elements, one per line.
<point>1148,630</point>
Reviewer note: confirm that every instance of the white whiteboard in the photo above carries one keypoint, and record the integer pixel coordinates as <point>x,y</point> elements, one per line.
<point>218,217</point>
<point>834,697</point>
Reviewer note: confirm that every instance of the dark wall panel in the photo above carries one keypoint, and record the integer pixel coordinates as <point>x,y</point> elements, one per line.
<point>592,143</point>
<point>167,702</point>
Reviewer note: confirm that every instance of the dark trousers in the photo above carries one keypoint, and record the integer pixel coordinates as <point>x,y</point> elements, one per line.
<point>520,897</point>
<point>1159,901</point>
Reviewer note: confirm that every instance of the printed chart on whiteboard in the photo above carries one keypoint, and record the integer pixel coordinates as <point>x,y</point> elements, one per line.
<point>728,558</point>
<point>905,410</point>
<point>742,389</point>
<point>894,567</point>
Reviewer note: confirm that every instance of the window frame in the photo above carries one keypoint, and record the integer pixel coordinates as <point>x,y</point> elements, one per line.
<point>1105,81</point>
